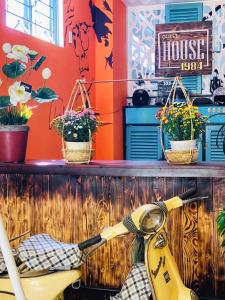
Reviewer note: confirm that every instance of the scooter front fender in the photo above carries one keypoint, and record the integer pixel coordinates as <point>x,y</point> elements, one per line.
<point>163,272</point>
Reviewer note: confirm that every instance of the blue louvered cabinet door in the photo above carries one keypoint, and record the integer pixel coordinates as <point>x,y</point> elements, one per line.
<point>189,12</point>
<point>143,143</point>
<point>214,153</point>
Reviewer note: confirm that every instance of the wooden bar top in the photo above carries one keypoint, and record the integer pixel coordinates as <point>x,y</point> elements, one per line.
<point>116,168</point>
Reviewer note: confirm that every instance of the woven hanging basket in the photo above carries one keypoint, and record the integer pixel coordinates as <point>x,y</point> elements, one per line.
<point>78,154</point>
<point>184,156</point>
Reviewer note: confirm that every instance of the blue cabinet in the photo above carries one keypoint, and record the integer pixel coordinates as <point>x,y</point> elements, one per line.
<point>143,143</point>
<point>214,144</point>
<point>142,134</point>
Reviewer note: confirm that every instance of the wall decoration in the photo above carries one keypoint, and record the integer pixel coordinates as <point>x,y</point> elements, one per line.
<point>183,49</point>
<point>216,14</point>
<point>100,19</point>
<point>141,42</point>
<point>81,32</point>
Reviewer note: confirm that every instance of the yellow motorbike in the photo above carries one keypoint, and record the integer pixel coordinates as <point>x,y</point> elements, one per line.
<point>147,220</point>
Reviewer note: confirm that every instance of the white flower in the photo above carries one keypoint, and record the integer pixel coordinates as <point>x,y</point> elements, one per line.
<point>7,48</point>
<point>19,52</point>
<point>18,94</point>
<point>46,73</point>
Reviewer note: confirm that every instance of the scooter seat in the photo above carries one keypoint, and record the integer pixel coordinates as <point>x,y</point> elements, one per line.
<point>42,252</point>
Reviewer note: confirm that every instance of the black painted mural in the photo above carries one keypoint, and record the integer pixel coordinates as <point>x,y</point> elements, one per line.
<point>99,23</point>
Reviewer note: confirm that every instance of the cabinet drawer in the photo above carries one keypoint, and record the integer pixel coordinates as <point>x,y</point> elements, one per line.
<point>145,115</point>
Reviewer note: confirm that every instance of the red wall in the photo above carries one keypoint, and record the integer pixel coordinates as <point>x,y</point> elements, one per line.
<point>65,65</point>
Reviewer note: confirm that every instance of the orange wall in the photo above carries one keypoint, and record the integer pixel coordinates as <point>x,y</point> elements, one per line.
<point>44,143</point>
<point>65,63</point>
<point>110,97</point>
<point>119,72</point>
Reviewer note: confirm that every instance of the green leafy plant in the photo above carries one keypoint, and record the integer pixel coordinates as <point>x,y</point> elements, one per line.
<point>13,107</point>
<point>76,126</point>
<point>221,225</point>
<point>181,121</point>
<point>15,115</point>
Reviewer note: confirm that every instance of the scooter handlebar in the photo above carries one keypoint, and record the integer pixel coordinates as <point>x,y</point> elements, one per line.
<point>188,193</point>
<point>90,242</point>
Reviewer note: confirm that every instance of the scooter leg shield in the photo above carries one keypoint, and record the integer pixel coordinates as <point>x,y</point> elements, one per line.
<point>163,273</point>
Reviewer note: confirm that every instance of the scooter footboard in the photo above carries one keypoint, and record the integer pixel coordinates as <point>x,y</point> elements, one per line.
<point>163,272</point>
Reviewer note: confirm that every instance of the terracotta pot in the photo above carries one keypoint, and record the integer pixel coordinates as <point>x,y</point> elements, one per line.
<point>13,142</point>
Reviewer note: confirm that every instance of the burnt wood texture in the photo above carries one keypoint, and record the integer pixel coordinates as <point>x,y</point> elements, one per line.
<point>73,208</point>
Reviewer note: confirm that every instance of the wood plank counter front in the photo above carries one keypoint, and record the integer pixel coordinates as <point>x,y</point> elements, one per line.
<point>74,202</point>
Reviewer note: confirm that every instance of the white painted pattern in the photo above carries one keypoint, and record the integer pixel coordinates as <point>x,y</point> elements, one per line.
<point>141,39</point>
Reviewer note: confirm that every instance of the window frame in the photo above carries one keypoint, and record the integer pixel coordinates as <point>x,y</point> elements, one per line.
<point>29,25</point>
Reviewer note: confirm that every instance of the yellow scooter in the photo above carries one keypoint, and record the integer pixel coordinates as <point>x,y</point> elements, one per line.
<point>147,220</point>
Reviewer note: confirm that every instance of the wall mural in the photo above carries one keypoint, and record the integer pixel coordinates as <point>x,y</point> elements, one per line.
<point>141,46</point>
<point>81,31</point>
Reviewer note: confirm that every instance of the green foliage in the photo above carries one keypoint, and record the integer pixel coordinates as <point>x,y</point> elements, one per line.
<point>44,95</point>
<point>13,115</point>
<point>4,101</point>
<point>181,121</point>
<point>14,69</point>
<point>221,226</point>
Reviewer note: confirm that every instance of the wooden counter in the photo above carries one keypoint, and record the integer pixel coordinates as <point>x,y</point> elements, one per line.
<point>74,202</point>
<point>116,168</point>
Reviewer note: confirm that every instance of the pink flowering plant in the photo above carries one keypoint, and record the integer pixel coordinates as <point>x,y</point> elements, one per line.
<point>77,126</point>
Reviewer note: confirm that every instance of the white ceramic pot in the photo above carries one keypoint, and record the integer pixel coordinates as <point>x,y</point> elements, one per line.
<point>78,145</point>
<point>183,145</point>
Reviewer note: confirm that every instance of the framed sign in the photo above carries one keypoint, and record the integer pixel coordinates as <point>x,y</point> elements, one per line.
<point>183,49</point>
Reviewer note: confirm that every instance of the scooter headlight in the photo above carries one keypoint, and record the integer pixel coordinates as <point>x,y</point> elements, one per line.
<point>152,220</point>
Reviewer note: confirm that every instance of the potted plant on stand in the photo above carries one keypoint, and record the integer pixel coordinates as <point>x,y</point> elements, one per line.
<point>14,111</point>
<point>76,128</point>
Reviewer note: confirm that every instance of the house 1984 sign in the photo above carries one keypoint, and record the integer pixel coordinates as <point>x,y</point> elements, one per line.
<point>183,49</point>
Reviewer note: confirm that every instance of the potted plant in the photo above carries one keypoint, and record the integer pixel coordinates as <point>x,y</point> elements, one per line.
<point>221,225</point>
<point>76,127</point>
<point>20,62</point>
<point>183,124</point>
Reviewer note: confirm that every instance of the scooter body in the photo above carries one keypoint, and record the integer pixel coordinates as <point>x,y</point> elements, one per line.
<point>163,272</point>
<point>41,286</point>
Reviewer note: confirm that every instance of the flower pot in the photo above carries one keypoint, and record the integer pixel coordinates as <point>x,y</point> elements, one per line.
<point>186,145</point>
<point>77,152</point>
<point>13,142</point>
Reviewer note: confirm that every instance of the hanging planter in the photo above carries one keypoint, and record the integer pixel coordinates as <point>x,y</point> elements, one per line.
<point>76,127</point>
<point>13,142</point>
<point>183,124</point>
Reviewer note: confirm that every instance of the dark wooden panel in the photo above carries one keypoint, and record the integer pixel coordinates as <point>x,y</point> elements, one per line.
<point>73,208</point>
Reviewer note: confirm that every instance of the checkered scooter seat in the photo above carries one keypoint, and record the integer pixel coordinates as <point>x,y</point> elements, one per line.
<point>42,252</point>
